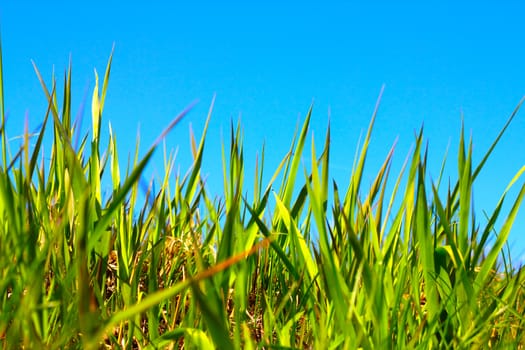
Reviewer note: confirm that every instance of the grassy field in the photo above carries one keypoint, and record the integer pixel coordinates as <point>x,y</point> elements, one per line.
<point>282,268</point>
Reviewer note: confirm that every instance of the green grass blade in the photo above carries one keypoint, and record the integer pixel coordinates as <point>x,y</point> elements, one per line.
<point>495,250</point>
<point>465,197</point>
<point>295,160</point>
<point>351,199</point>
<point>498,138</point>
<point>426,248</point>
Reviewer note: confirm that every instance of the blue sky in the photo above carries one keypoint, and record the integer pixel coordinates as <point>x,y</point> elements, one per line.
<point>267,61</point>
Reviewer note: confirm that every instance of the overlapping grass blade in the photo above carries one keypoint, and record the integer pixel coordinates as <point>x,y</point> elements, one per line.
<point>184,268</point>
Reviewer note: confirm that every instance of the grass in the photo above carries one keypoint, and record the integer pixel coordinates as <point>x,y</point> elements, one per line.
<point>283,268</point>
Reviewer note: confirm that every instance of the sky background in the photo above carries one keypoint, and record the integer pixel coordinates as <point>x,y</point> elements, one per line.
<point>268,61</point>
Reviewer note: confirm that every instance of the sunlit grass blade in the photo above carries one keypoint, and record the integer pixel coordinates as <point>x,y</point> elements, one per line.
<point>102,99</point>
<point>498,138</point>
<point>351,198</point>
<point>295,160</point>
<point>465,193</point>
<point>426,248</point>
<point>502,236</point>
<point>298,239</point>
<point>197,158</point>
<point>66,105</point>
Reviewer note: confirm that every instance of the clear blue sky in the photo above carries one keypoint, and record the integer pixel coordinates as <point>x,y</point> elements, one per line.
<point>267,61</point>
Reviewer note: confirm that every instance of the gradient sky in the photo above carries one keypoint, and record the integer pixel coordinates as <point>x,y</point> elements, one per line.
<point>268,61</point>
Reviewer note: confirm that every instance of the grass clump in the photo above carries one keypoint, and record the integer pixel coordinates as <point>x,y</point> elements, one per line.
<point>283,268</point>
